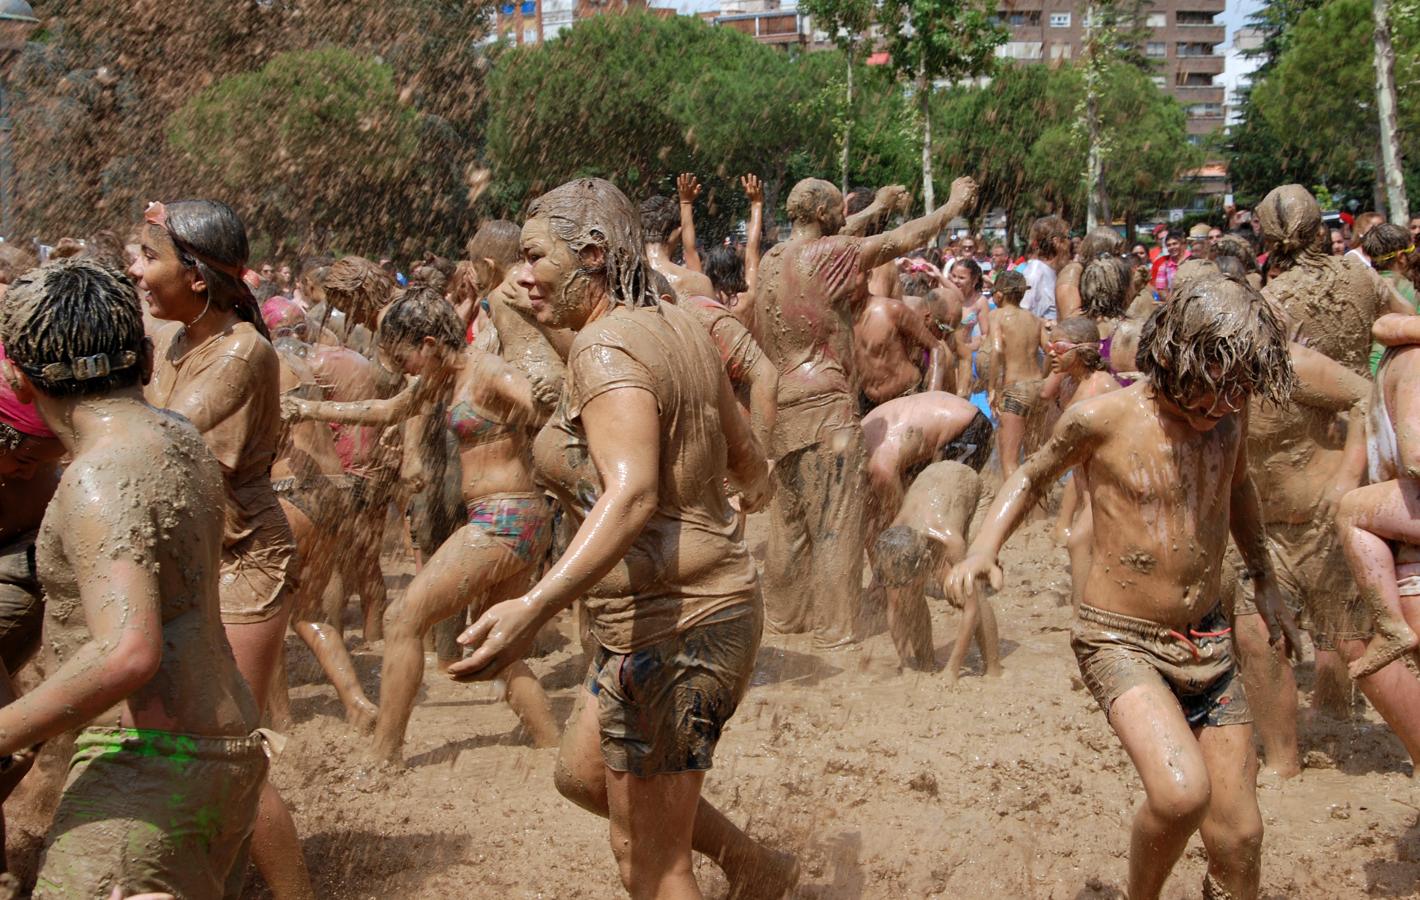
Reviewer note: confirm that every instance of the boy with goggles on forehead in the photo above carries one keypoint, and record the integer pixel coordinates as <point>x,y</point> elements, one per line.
<point>1166,473</point>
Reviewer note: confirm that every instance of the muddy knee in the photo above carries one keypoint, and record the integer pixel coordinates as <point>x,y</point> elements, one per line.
<point>1184,799</point>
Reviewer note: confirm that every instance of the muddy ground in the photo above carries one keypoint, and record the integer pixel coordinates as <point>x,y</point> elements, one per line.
<point>885,785</point>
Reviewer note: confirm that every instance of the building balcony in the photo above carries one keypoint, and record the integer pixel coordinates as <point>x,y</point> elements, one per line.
<point>1203,65</point>
<point>778,26</point>
<point>1214,33</point>
<point>1212,6</point>
<point>1205,124</point>
<point>1189,94</point>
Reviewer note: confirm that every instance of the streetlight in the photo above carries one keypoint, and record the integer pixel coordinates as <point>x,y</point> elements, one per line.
<point>17,22</point>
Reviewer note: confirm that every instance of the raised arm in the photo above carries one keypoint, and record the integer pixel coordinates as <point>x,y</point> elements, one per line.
<point>1075,435</point>
<point>754,190</point>
<point>883,247</point>
<point>886,198</point>
<point>688,187</point>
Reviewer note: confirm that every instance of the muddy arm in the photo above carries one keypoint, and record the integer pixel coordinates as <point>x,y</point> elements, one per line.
<point>391,411</point>
<point>688,187</point>
<point>754,190</point>
<point>889,245</point>
<point>1246,525</point>
<point>1394,329</point>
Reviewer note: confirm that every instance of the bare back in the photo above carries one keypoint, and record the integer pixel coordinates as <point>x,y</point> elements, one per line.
<point>1016,338</point>
<point>885,356</point>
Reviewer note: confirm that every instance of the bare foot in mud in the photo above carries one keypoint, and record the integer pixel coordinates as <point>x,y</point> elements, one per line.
<point>1393,640</point>
<point>361,716</point>
<point>770,879</point>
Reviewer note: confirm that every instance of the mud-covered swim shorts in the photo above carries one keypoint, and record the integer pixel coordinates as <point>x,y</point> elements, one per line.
<point>21,603</point>
<point>147,810</point>
<point>662,707</point>
<point>1117,652</point>
<point>1020,398</point>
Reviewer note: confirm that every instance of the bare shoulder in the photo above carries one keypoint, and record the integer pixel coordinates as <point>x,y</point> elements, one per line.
<point>1105,412</point>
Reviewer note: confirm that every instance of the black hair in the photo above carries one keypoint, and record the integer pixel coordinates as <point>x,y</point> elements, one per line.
<point>209,237</point>
<point>726,270</point>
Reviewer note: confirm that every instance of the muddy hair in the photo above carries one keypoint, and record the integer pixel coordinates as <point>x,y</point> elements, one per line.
<point>14,262</point>
<point>1044,232</point>
<point>659,217</point>
<point>1104,287</point>
<point>1290,219</point>
<point>1235,246</point>
<point>1102,241</point>
<point>314,270</point>
<point>917,284</point>
<point>1085,334</point>
<point>726,270</point>
<point>902,554</point>
<point>1231,266</point>
<point>72,309</point>
<point>808,196</point>
<point>358,287</point>
<point>1012,284</point>
<point>498,240</point>
<point>430,276</point>
<point>419,312</point>
<point>972,267</point>
<point>1216,335</point>
<point>1385,242</point>
<point>594,212</point>
<point>662,285</point>
<point>205,232</point>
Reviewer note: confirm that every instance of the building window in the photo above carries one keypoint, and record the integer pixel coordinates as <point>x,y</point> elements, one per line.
<point>1205,111</point>
<point>1156,20</point>
<point>1158,80</point>
<point>1019,50</point>
<point>1196,140</point>
<point>1060,20</point>
<point>1194,49</point>
<point>1021,18</point>
<point>1155,48</point>
<point>1183,17</point>
<point>1060,51</point>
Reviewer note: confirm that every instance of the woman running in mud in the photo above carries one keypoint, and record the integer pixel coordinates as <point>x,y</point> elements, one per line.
<point>638,452</point>
<point>490,408</point>
<point>215,366</point>
<point>162,791</point>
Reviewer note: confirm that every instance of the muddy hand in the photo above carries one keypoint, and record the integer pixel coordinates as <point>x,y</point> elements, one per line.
<point>294,409</point>
<point>965,575</point>
<point>498,639</point>
<point>1282,631</point>
<point>964,192</point>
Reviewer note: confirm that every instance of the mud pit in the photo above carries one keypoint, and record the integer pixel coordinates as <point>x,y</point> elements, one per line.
<point>885,785</point>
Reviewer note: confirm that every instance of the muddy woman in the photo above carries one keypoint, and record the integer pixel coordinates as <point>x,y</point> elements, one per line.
<point>1167,478</point>
<point>215,366</point>
<point>638,452</point>
<point>163,788</point>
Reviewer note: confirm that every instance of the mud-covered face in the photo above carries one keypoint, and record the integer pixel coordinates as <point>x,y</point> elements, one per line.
<point>554,277</point>
<point>29,457</point>
<point>163,281</point>
<point>1203,410</point>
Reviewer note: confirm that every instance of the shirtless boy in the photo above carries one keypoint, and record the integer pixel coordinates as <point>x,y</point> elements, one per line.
<point>905,435</point>
<point>1152,641</point>
<point>163,796</point>
<point>890,341</point>
<point>1016,339</point>
<point>660,217</point>
<point>912,556</point>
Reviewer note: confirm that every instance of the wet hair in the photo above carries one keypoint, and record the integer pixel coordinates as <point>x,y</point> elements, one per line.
<point>859,199</point>
<point>430,276</point>
<point>917,284</point>
<point>419,312</point>
<point>1010,284</point>
<point>1290,218</point>
<point>1237,247</point>
<point>1104,287</point>
<point>73,309</point>
<point>209,237</point>
<point>1231,266</point>
<point>1085,334</point>
<point>358,287</point>
<point>901,554</point>
<point>1102,241</point>
<point>659,217</point>
<point>498,240</point>
<point>315,269</point>
<point>1193,269</point>
<point>1216,335</point>
<point>663,286</point>
<point>463,284</point>
<point>971,266</point>
<point>726,270</point>
<point>935,299</point>
<point>1044,232</point>
<point>1385,242</point>
<point>594,212</point>
<point>14,261</point>
<point>105,246</point>
<point>808,196</point>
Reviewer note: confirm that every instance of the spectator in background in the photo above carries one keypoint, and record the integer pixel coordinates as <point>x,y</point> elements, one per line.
<point>1364,223</point>
<point>1198,243</point>
<point>1338,242</point>
<point>1000,261</point>
<point>1049,252</point>
<point>1415,227</point>
<point>1166,264</point>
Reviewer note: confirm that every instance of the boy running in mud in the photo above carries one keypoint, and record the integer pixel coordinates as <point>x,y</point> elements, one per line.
<point>162,795</point>
<point>1016,339</point>
<point>1167,477</point>
<point>910,556</point>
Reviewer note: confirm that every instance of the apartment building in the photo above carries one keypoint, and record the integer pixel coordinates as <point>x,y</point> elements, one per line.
<point>1182,39</point>
<point>535,21</point>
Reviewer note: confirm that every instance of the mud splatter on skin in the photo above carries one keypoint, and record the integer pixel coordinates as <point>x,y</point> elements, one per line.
<point>1139,561</point>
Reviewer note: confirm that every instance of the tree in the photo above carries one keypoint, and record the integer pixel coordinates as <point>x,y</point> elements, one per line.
<point>848,23</point>
<point>938,40</point>
<point>1391,174</point>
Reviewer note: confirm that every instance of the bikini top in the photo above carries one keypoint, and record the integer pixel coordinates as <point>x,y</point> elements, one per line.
<point>473,428</point>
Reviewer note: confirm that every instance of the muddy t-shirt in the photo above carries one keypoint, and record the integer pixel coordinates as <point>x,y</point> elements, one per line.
<point>689,561</point>
<point>738,349</point>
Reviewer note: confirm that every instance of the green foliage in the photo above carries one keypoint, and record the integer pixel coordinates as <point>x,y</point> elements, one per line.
<point>303,113</point>
<point>846,21</point>
<point>941,39</point>
<point>1324,54</point>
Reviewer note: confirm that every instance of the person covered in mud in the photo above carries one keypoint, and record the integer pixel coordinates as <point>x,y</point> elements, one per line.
<point>1102,242</point>
<point>912,557</point>
<point>1151,638</point>
<point>811,288</point>
<point>215,366</point>
<point>1297,451</point>
<point>490,407</point>
<point>891,350</point>
<point>358,289</point>
<point>309,484</point>
<point>163,787</point>
<point>1017,336</point>
<point>904,436</point>
<point>660,219</point>
<point>732,275</point>
<point>638,451</point>
<point>1376,523</point>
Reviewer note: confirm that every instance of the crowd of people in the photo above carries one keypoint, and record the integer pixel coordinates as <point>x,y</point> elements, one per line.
<point>197,455</point>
